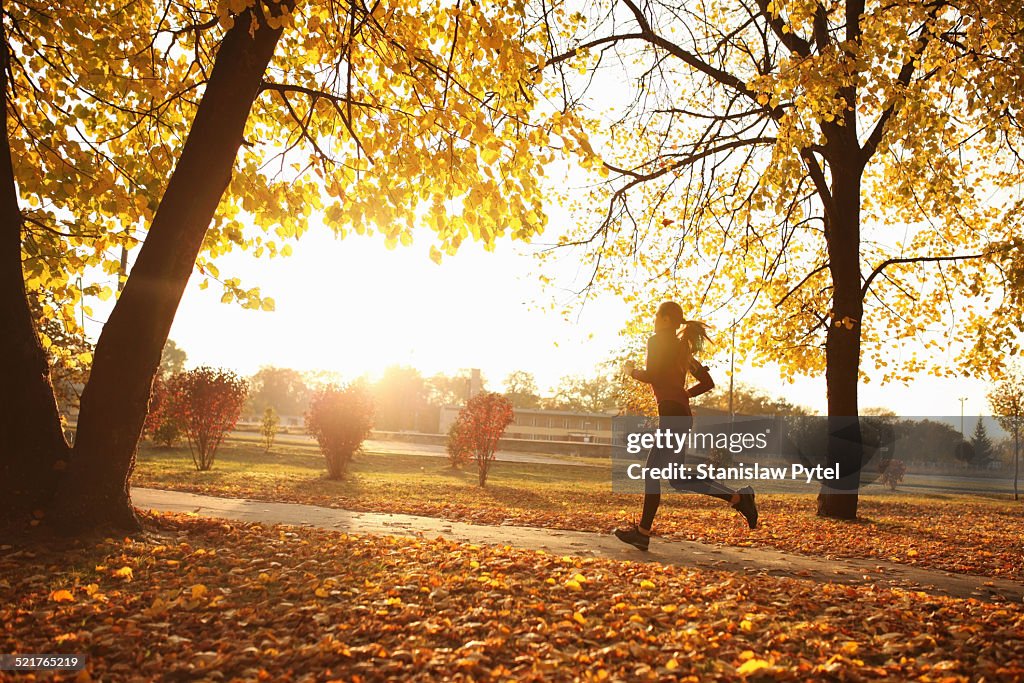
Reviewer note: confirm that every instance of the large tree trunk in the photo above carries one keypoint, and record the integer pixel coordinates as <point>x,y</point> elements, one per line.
<point>114,404</point>
<point>842,343</point>
<point>32,445</point>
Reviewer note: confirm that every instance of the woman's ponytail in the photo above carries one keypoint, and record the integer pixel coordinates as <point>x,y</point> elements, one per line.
<point>694,333</point>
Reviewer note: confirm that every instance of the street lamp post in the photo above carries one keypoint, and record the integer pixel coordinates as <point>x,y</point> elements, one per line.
<point>962,400</point>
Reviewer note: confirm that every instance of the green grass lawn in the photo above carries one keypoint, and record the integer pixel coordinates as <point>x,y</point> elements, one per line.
<point>298,471</point>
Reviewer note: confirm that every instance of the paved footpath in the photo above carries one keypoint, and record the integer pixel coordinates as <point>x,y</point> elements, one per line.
<point>753,561</point>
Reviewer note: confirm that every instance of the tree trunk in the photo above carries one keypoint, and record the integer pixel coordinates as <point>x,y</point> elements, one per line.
<point>842,344</point>
<point>115,401</point>
<point>1016,460</point>
<point>32,445</point>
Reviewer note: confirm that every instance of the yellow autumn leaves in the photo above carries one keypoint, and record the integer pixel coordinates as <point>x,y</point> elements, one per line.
<point>396,124</point>
<point>747,237</point>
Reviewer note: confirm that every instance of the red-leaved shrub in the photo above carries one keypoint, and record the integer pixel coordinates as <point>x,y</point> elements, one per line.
<point>340,419</point>
<point>478,428</point>
<point>460,448</point>
<point>206,402</point>
<point>161,424</point>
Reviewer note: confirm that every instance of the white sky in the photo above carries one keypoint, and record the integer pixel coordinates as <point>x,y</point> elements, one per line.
<point>354,307</point>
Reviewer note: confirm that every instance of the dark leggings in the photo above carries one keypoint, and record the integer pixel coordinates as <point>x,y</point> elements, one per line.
<point>660,458</point>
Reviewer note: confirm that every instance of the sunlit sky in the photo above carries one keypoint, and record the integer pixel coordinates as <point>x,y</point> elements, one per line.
<point>353,307</point>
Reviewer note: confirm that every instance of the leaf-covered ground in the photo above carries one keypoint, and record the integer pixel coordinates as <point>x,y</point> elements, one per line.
<point>201,599</point>
<point>968,535</point>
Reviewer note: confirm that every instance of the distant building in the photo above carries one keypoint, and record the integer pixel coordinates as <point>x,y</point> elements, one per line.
<point>476,384</point>
<point>536,424</point>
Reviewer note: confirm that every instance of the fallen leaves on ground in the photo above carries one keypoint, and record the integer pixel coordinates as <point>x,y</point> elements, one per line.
<point>217,601</point>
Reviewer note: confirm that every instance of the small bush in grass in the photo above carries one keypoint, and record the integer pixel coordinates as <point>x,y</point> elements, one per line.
<point>340,419</point>
<point>893,473</point>
<point>207,403</point>
<point>720,457</point>
<point>161,424</point>
<point>269,428</point>
<point>483,421</point>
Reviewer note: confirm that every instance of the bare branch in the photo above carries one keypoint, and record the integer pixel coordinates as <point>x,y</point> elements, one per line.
<point>801,283</point>
<point>689,159</point>
<point>925,259</point>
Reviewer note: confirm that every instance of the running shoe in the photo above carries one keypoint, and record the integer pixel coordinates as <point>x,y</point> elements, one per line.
<point>634,537</point>
<point>747,507</point>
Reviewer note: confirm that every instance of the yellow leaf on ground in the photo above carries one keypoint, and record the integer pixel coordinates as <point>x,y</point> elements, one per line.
<point>751,665</point>
<point>62,596</point>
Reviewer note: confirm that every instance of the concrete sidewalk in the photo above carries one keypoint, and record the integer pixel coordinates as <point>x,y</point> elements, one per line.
<point>752,561</point>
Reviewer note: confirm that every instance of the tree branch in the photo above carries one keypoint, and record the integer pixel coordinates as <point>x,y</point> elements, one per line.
<point>801,283</point>
<point>906,73</point>
<point>690,159</point>
<point>792,41</point>
<point>922,259</point>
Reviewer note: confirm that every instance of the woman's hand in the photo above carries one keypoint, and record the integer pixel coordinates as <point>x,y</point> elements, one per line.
<point>627,368</point>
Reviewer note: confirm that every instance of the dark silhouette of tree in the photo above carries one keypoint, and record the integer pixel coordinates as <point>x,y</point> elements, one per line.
<point>589,395</point>
<point>521,390</point>
<point>1007,401</point>
<point>172,360</point>
<point>401,398</point>
<point>984,451</point>
<point>282,389</point>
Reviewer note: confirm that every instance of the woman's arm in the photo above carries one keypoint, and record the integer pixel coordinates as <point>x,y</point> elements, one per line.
<point>704,382</point>
<point>643,375</point>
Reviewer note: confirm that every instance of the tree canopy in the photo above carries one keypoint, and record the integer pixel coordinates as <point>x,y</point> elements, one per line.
<point>371,118</point>
<point>724,148</point>
<point>810,167</point>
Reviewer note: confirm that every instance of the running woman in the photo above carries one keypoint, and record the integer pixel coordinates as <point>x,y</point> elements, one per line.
<point>669,360</point>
